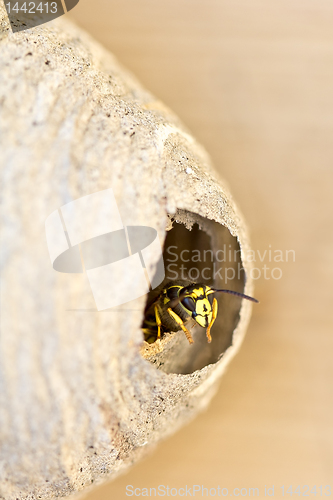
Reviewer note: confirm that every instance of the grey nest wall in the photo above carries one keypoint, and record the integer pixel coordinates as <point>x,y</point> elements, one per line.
<point>82,398</point>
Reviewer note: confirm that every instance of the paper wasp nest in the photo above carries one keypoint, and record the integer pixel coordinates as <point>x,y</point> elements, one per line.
<point>79,403</point>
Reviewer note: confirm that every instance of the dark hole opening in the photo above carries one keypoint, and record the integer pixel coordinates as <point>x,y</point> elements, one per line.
<point>210,256</point>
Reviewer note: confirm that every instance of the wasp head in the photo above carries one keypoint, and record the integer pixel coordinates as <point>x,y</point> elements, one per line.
<point>197,301</point>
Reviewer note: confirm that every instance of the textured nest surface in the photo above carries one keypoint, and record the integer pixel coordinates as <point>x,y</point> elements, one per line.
<point>79,401</point>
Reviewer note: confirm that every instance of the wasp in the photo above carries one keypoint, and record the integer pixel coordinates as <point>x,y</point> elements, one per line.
<point>177,303</point>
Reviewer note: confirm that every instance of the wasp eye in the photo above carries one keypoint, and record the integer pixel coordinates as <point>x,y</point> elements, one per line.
<point>211,298</point>
<point>189,303</point>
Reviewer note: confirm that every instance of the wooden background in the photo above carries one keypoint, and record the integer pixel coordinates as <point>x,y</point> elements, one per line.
<point>253,81</point>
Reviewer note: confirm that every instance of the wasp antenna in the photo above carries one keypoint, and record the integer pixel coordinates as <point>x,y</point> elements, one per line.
<point>174,302</point>
<point>238,294</point>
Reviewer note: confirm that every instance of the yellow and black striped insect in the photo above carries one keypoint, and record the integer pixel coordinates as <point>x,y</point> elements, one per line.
<point>178,302</point>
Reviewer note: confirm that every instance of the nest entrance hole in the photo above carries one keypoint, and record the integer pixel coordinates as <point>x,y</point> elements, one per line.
<point>201,251</point>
